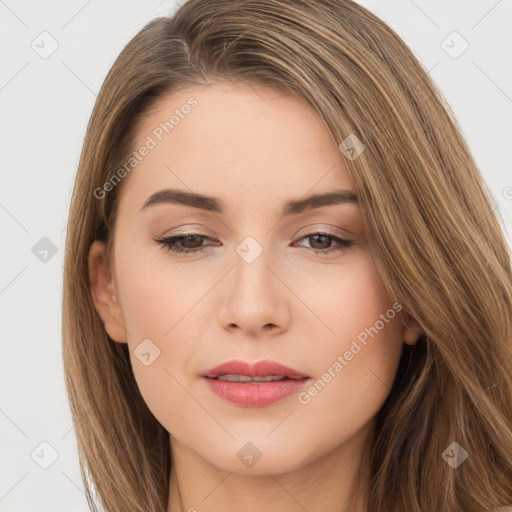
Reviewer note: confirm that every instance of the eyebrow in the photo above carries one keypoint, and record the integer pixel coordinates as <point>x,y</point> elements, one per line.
<point>216,205</point>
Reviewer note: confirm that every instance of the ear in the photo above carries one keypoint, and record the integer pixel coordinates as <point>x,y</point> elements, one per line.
<point>411,330</point>
<point>104,293</point>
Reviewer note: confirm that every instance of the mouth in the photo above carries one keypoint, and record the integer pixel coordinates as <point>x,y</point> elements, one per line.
<point>241,371</point>
<point>247,378</point>
<point>255,385</point>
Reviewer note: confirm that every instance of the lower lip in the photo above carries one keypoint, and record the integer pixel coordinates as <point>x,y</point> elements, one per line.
<point>255,394</point>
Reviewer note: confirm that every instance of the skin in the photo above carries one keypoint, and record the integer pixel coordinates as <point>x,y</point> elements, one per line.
<point>254,149</point>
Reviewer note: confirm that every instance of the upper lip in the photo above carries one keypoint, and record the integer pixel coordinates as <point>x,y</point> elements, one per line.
<point>259,369</point>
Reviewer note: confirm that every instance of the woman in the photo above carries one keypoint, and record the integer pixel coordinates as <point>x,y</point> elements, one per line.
<point>285,285</point>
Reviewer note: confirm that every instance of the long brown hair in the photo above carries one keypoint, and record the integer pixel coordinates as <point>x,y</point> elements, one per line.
<point>430,225</point>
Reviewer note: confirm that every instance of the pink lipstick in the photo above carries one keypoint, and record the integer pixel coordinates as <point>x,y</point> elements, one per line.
<point>254,385</point>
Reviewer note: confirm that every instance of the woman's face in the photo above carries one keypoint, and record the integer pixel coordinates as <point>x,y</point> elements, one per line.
<point>256,291</point>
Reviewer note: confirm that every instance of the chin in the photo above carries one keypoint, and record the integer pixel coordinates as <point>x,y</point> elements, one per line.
<point>260,457</point>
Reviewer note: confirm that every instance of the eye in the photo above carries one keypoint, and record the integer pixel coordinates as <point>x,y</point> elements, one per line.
<point>318,244</point>
<point>192,242</point>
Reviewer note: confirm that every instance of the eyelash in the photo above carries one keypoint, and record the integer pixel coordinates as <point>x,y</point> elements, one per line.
<point>170,242</point>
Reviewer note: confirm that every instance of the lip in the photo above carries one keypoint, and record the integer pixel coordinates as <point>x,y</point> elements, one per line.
<point>259,369</point>
<point>255,394</point>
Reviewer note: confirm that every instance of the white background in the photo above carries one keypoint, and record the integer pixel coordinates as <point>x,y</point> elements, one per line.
<point>45,105</point>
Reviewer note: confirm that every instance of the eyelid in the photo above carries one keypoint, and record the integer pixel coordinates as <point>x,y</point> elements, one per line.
<point>330,230</point>
<point>192,229</point>
<point>307,230</point>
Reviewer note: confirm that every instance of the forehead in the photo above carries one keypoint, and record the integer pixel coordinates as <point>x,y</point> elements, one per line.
<point>244,143</point>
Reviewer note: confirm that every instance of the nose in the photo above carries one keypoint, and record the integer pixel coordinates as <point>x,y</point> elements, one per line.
<point>256,299</point>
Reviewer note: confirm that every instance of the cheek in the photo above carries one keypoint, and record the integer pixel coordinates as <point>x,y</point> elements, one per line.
<point>356,368</point>
<point>352,382</point>
<point>158,297</point>
<point>354,302</point>
<point>160,310</point>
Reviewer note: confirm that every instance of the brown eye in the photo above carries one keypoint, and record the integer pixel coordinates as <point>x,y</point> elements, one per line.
<point>191,243</point>
<point>321,242</point>
<point>184,243</point>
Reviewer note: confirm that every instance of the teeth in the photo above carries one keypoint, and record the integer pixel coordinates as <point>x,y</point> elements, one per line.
<point>246,378</point>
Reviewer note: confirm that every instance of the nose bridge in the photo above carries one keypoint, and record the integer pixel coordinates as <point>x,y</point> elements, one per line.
<point>251,272</point>
<point>255,297</point>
